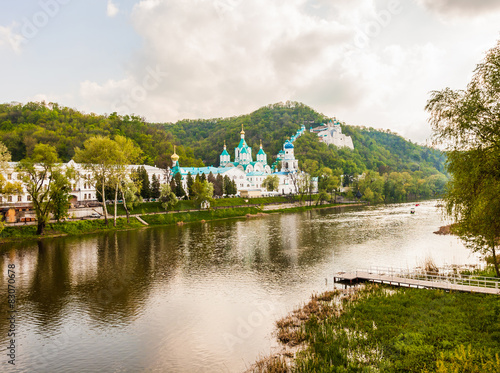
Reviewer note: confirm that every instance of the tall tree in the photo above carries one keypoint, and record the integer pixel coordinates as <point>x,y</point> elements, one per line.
<point>189,184</point>
<point>167,197</point>
<point>219,185</point>
<point>155,187</point>
<point>203,192</point>
<point>467,122</point>
<point>99,156</point>
<point>179,190</point>
<point>44,181</point>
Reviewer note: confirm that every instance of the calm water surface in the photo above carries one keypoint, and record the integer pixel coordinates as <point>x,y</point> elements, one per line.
<point>200,297</point>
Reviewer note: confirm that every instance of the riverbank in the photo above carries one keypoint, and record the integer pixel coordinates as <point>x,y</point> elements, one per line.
<point>389,329</point>
<point>78,227</point>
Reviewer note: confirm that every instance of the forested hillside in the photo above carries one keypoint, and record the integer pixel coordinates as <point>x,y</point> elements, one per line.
<point>374,150</point>
<point>201,141</point>
<point>272,124</point>
<point>23,126</point>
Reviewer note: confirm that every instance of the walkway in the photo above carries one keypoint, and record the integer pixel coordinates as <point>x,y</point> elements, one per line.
<point>449,282</point>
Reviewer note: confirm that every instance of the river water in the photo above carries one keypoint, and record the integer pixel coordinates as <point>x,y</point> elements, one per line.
<point>201,297</point>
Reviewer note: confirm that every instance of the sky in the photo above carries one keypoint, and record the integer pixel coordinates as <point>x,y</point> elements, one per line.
<point>370,63</point>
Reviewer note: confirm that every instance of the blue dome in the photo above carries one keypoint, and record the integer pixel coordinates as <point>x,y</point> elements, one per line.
<point>288,145</point>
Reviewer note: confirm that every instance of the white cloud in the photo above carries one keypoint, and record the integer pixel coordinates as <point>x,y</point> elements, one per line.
<point>112,9</point>
<point>11,39</point>
<point>204,58</point>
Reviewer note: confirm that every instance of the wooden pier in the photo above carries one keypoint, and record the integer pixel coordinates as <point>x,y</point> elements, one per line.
<point>450,282</point>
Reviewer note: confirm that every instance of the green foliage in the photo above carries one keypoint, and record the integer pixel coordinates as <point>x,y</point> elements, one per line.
<point>24,126</point>
<point>467,121</point>
<point>68,227</point>
<point>271,183</point>
<point>167,197</point>
<point>404,330</point>
<point>163,219</point>
<point>46,183</point>
<point>203,192</point>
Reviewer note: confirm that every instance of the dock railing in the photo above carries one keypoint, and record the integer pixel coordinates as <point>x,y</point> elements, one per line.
<point>452,278</point>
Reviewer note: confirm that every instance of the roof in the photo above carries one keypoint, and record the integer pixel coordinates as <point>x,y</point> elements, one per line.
<point>244,151</point>
<point>288,145</point>
<point>242,144</point>
<point>261,151</point>
<point>224,152</point>
<point>256,173</point>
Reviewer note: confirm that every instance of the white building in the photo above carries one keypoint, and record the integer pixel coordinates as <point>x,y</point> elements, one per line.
<point>331,134</point>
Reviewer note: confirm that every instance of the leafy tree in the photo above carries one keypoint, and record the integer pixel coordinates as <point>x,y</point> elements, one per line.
<point>6,187</point>
<point>189,184</point>
<point>229,186</point>
<point>146,185</point>
<point>203,192</point>
<point>60,193</point>
<point>130,195</point>
<point>219,185</point>
<point>99,156</point>
<point>167,197</point>
<point>271,183</point>
<point>467,123</point>
<point>155,187</point>
<point>42,178</point>
<point>128,153</point>
<point>179,190</point>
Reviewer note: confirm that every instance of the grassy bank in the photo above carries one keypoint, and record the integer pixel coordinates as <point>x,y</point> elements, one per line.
<point>187,217</point>
<point>184,205</point>
<point>67,228</point>
<point>391,330</point>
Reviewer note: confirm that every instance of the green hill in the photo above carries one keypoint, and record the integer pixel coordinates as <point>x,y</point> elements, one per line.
<point>23,126</point>
<point>374,150</point>
<point>201,141</point>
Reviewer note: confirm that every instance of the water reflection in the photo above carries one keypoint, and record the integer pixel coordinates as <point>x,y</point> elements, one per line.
<point>198,297</point>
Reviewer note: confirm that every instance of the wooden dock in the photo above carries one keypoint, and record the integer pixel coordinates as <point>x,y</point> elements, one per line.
<point>468,284</point>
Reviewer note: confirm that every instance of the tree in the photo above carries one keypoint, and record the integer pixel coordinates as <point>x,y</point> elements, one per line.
<point>271,182</point>
<point>167,197</point>
<point>179,190</point>
<point>99,156</point>
<point>189,184</point>
<point>146,185</point>
<point>45,182</point>
<point>155,187</point>
<point>130,195</point>
<point>128,153</point>
<point>219,185</point>
<point>467,123</point>
<point>60,193</point>
<point>203,192</point>
<point>6,187</point>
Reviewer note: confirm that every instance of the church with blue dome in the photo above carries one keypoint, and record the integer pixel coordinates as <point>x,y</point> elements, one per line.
<point>248,173</point>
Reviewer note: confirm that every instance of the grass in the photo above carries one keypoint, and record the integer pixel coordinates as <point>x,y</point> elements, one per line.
<point>183,205</point>
<point>394,330</point>
<point>67,228</point>
<point>187,217</point>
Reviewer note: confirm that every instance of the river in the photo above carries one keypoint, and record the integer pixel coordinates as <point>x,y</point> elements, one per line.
<point>201,297</point>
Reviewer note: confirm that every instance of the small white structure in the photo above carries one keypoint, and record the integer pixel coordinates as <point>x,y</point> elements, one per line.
<point>331,134</point>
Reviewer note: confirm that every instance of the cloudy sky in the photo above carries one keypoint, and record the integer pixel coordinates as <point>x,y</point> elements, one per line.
<point>367,62</point>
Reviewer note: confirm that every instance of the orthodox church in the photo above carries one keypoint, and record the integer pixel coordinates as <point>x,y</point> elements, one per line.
<point>247,173</point>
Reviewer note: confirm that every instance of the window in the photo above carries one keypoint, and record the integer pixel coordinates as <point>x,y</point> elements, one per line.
<point>28,198</point>
<point>19,198</point>
<point>9,177</point>
<point>9,199</point>
<point>1,199</point>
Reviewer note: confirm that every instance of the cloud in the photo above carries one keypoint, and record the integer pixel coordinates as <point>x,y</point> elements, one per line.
<point>461,8</point>
<point>205,59</point>
<point>112,9</point>
<point>9,38</point>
